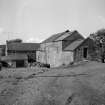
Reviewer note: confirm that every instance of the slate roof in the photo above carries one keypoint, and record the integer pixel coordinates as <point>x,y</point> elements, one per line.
<point>60,36</point>
<point>65,35</point>
<point>23,46</point>
<point>55,37</point>
<point>14,57</point>
<point>3,46</point>
<point>73,45</point>
<point>87,39</point>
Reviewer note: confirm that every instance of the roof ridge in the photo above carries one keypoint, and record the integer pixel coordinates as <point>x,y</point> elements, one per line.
<point>62,34</point>
<point>65,35</point>
<point>54,36</point>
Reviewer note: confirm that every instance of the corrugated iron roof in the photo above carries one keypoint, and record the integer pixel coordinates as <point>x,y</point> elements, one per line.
<point>73,45</point>
<point>23,46</point>
<point>14,57</point>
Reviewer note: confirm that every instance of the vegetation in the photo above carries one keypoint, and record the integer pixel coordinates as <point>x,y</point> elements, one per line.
<point>99,38</point>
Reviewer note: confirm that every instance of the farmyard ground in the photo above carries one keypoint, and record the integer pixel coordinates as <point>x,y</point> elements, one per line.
<point>82,84</point>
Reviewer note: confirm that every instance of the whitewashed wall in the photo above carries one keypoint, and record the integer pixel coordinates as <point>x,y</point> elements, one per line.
<point>67,57</point>
<point>52,54</point>
<point>40,57</point>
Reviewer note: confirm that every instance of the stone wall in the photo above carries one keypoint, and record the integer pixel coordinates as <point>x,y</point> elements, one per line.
<point>51,53</point>
<point>91,51</point>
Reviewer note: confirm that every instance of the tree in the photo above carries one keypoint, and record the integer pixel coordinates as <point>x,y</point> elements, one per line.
<point>99,38</point>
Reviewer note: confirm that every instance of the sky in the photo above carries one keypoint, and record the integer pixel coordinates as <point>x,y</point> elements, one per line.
<point>36,20</point>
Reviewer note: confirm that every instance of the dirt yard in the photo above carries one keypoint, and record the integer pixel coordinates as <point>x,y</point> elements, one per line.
<point>82,84</point>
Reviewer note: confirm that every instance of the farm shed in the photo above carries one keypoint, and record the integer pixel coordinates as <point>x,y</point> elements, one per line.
<point>85,51</point>
<point>2,50</point>
<point>16,60</point>
<point>52,50</point>
<point>23,48</point>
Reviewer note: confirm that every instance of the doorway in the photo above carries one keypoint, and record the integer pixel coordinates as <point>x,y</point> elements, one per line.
<point>20,63</point>
<point>85,52</point>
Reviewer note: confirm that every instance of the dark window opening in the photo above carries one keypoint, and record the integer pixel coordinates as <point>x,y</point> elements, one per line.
<point>85,52</point>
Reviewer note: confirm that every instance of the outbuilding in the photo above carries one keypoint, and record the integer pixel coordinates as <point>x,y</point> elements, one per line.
<point>85,51</point>
<point>16,61</point>
<point>57,51</point>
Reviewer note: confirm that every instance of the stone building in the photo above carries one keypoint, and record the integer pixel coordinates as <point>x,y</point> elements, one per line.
<point>54,50</point>
<point>85,51</point>
<point>19,47</point>
<point>2,50</point>
<point>17,60</point>
<point>18,54</point>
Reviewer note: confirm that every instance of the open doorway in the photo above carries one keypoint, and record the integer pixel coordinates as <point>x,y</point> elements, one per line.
<point>85,52</point>
<point>20,63</point>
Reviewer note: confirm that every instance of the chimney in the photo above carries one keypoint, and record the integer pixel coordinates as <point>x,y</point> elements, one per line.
<point>67,31</point>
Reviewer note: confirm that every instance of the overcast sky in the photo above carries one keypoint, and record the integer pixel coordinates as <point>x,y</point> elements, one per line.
<point>35,20</point>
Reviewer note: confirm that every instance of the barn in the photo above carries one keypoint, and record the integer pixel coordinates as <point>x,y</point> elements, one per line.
<point>54,50</point>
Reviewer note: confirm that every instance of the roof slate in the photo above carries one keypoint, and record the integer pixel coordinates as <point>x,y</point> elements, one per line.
<point>73,45</point>
<point>56,36</point>
<point>23,46</point>
<point>3,46</point>
<point>64,36</point>
<point>14,57</point>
